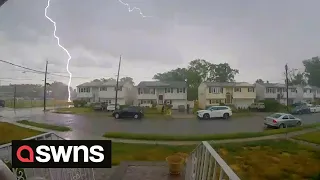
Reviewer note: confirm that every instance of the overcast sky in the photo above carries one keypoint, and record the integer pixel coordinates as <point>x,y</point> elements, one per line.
<point>256,37</point>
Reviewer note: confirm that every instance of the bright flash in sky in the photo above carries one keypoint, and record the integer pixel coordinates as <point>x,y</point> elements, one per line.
<point>69,56</point>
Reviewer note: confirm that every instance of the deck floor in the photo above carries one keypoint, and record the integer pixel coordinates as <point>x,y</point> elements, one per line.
<point>137,170</point>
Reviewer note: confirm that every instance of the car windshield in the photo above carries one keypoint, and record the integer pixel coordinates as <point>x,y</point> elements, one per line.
<point>276,115</point>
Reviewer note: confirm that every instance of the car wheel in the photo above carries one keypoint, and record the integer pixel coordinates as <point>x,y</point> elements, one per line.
<point>206,116</point>
<point>282,126</point>
<point>299,123</point>
<point>117,116</point>
<point>136,116</point>
<point>225,116</point>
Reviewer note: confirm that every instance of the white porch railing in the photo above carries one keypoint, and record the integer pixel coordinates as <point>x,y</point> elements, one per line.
<point>204,163</point>
<point>47,173</point>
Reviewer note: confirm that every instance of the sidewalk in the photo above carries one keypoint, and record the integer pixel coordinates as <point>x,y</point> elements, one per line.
<point>79,135</point>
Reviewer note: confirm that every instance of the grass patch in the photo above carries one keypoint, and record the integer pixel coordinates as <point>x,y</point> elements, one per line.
<point>275,159</point>
<point>313,137</point>
<point>45,126</point>
<point>160,137</point>
<point>144,152</point>
<point>74,110</point>
<point>9,132</point>
<point>35,103</point>
<point>263,160</point>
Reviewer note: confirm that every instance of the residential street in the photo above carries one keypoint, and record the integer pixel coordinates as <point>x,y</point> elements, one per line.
<point>98,125</point>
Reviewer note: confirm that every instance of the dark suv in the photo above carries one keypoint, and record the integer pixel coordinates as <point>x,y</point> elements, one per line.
<point>2,103</point>
<point>303,109</point>
<point>128,112</point>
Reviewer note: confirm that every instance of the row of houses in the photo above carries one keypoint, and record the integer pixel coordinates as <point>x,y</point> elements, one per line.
<point>239,94</point>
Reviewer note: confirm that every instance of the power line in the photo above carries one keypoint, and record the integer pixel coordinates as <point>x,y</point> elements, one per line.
<point>38,71</point>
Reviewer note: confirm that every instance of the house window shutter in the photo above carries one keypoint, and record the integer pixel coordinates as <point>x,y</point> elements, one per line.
<point>165,90</point>
<point>177,90</point>
<point>221,90</point>
<point>138,90</point>
<point>154,90</point>
<point>184,90</point>
<point>210,90</point>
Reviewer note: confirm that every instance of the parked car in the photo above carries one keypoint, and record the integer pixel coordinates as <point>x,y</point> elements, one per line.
<point>304,109</point>
<point>2,103</point>
<point>129,112</point>
<point>315,109</point>
<point>215,112</point>
<point>99,106</point>
<point>282,120</point>
<point>111,107</point>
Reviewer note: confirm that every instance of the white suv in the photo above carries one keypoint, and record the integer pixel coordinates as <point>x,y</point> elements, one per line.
<point>215,112</point>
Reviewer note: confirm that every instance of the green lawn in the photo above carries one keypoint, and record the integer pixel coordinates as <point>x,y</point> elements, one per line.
<point>160,137</point>
<point>35,103</point>
<point>45,126</point>
<point>9,132</point>
<point>313,137</point>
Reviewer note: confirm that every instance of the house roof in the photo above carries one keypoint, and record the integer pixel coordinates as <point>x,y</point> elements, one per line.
<point>176,84</point>
<point>230,84</point>
<point>315,87</point>
<point>276,85</point>
<point>99,84</point>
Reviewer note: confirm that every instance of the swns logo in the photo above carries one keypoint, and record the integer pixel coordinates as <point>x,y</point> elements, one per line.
<point>61,154</point>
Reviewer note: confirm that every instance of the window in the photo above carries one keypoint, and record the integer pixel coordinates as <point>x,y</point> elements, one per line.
<point>152,91</point>
<point>179,90</point>
<point>293,90</point>
<point>84,90</point>
<point>184,90</point>
<point>284,90</point>
<point>304,90</point>
<point>276,115</point>
<point>215,90</point>
<point>271,90</point>
<point>103,88</point>
<point>215,101</point>
<point>213,108</point>
<point>169,90</point>
<point>168,102</point>
<point>222,108</point>
<point>291,117</point>
<point>237,89</point>
<point>250,89</point>
<point>119,88</point>
<point>285,117</point>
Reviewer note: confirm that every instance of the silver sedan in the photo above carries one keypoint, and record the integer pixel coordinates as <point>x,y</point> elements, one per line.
<point>282,120</point>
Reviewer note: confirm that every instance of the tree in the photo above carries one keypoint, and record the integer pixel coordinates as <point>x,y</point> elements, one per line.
<point>198,71</point>
<point>312,71</point>
<point>127,79</point>
<point>296,78</point>
<point>260,81</point>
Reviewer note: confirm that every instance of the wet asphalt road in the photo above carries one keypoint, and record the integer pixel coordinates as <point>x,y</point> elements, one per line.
<point>98,125</point>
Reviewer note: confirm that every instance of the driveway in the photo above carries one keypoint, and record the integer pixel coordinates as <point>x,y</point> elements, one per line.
<point>98,125</point>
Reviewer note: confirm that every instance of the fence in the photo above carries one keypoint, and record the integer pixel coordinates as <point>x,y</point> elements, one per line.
<point>47,173</point>
<point>205,163</point>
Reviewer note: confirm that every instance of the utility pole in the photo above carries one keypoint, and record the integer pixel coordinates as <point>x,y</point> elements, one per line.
<point>116,101</point>
<point>45,88</point>
<point>287,85</point>
<point>14,96</point>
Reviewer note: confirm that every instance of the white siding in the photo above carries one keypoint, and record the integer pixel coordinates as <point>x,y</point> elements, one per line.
<point>242,103</point>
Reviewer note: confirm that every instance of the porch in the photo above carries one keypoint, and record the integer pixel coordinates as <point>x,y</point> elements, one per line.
<point>203,163</point>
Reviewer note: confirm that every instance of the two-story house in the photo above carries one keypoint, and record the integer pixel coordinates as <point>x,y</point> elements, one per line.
<point>305,94</point>
<point>278,92</point>
<point>106,92</point>
<point>239,94</point>
<point>316,91</point>
<point>159,92</point>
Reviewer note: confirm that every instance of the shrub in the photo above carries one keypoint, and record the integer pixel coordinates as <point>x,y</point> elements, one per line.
<point>195,107</point>
<point>273,106</point>
<point>79,103</point>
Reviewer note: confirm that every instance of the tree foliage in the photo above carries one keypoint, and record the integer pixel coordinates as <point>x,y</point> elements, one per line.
<point>312,71</point>
<point>296,78</point>
<point>259,81</point>
<point>198,71</point>
<point>127,79</point>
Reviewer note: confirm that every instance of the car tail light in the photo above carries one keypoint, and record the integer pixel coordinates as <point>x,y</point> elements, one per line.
<point>274,121</point>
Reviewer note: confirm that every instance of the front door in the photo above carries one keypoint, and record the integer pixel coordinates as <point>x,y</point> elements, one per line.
<point>160,101</point>
<point>228,98</point>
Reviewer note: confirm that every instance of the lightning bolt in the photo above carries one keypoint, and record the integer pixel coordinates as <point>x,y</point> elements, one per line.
<point>58,39</point>
<point>134,8</point>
